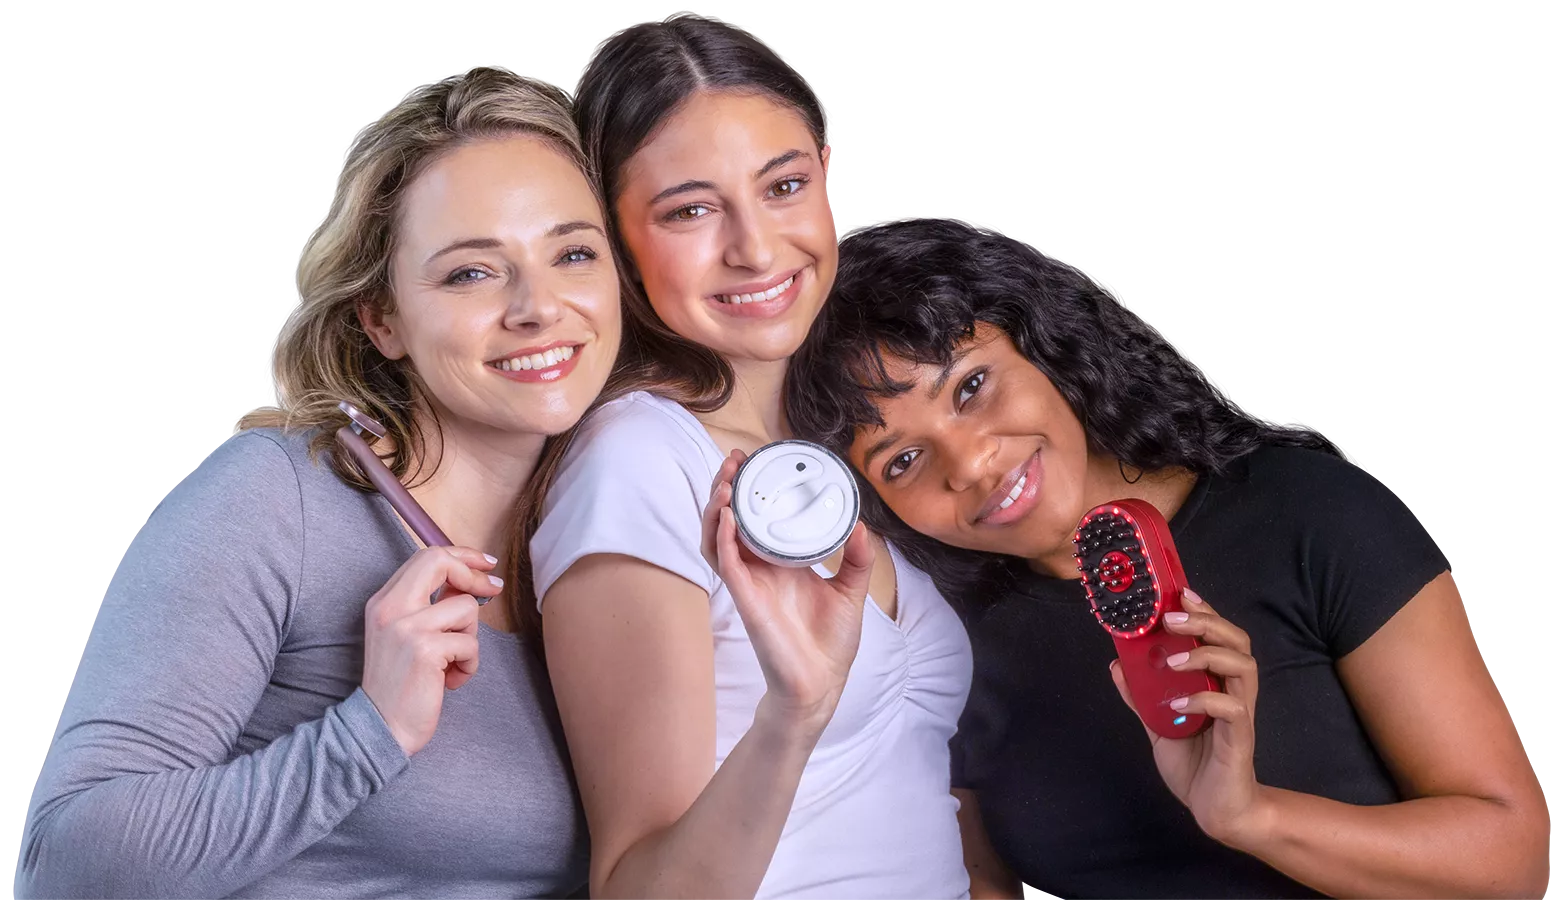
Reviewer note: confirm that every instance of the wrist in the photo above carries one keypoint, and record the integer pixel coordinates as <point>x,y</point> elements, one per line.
<point>1254,829</point>
<point>792,726</point>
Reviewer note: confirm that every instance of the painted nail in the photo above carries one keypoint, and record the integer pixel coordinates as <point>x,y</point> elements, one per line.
<point>492,560</point>
<point>1179,703</point>
<point>1191,597</point>
<point>1176,618</point>
<point>1176,659</point>
<point>496,581</point>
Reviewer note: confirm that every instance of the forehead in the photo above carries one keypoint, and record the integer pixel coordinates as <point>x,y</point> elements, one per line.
<point>515,186</point>
<point>717,134</point>
<point>906,410</point>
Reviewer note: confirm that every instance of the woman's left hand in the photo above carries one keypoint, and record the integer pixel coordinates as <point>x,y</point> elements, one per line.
<point>1211,772</point>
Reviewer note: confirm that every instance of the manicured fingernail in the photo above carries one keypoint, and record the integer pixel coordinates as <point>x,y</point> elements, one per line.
<point>492,560</point>
<point>1176,618</point>
<point>1176,659</point>
<point>496,581</point>
<point>1179,702</point>
<point>1191,597</point>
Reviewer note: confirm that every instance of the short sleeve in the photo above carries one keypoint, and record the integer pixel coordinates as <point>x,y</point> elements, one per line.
<point>1366,555</point>
<point>634,482</point>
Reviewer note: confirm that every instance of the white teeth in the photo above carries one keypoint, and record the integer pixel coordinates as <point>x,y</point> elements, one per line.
<point>1013,494</point>
<point>544,360</point>
<point>770,294</point>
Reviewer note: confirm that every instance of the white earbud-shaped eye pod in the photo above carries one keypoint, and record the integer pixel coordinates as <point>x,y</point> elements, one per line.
<point>795,503</point>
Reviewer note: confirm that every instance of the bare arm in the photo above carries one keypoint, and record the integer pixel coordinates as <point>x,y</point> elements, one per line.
<point>630,653</point>
<point>1475,825</point>
<point>990,877</point>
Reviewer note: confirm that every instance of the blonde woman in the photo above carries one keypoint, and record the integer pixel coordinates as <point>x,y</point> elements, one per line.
<point>265,704</point>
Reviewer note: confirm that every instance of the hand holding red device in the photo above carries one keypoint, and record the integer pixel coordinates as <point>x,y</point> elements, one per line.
<point>1133,577</point>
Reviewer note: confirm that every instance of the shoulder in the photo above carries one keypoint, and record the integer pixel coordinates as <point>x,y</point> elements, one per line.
<point>1313,484</point>
<point>256,465</point>
<point>642,437</point>
<point>641,419</point>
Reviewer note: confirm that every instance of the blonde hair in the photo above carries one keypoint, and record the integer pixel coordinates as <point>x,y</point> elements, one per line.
<point>324,356</point>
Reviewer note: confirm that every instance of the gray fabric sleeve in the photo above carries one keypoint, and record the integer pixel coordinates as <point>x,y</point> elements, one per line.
<point>141,794</point>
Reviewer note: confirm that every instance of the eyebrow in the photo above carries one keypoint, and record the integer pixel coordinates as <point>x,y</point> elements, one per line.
<point>881,446</point>
<point>558,230</point>
<point>932,394</point>
<point>695,185</point>
<point>948,372</point>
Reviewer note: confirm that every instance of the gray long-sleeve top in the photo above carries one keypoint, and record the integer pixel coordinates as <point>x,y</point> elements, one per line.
<point>216,742</point>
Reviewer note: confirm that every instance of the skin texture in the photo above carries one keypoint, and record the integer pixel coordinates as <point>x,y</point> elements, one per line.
<point>663,820</point>
<point>526,282</point>
<point>1474,822</point>
<point>764,216</point>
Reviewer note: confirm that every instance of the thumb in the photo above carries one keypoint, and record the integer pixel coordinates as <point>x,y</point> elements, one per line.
<point>856,566</point>
<point>1120,680</point>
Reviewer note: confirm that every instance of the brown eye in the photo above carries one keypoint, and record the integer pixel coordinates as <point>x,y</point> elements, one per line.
<point>899,464</point>
<point>786,187</point>
<point>969,388</point>
<point>689,213</point>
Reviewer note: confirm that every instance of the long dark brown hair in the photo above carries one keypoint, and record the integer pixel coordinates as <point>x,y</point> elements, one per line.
<point>638,78</point>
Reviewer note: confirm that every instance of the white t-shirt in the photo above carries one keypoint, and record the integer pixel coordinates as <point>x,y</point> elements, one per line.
<point>873,816</point>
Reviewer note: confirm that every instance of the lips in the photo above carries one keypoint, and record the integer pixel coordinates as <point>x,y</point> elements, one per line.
<point>549,362</point>
<point>761,300</point>
<point>1014,495</point>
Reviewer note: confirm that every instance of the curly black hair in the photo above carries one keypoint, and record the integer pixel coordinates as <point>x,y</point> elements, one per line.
<point>915,290</point>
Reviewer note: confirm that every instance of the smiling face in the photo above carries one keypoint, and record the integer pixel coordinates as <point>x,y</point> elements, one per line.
<point>506,299</point>
<point>725,216</point>
<point>987,455</point>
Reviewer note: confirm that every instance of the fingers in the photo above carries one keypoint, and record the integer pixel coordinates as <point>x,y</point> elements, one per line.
<point>1237,716</point>
<point>1202,621</point>
<point>453,652</point>
<point>729,562</point>
<point>456,612</point>
<point>1226,650</point>
<point>856,565</point>
<point>432,568</point>
<point>1239,670</point>
<point>720,498</point>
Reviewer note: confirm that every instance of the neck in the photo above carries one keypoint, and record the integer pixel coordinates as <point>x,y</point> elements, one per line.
<point>1105,481</point>
<point>755,407</point>
<point>479,474</point>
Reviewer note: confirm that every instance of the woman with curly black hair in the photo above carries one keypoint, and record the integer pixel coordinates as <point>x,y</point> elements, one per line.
<point>988,396</point>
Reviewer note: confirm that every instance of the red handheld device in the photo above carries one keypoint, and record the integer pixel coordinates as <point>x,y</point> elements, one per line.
<point>1133,578</point>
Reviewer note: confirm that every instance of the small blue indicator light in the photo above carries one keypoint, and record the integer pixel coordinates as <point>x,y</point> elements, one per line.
<point>1178,720</point>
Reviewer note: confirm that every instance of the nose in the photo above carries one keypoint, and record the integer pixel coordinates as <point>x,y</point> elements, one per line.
<point>534,306</point>
<point>750,241</point>
<point>967,457</point>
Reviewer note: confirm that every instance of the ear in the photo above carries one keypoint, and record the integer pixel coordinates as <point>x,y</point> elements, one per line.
<point>823,158</point>
<point>381,329</point>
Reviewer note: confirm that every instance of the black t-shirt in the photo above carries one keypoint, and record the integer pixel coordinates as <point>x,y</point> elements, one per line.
<point>1303,550</point>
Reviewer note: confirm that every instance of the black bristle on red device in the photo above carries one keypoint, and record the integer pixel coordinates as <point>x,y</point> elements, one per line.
<point>1133,577</point>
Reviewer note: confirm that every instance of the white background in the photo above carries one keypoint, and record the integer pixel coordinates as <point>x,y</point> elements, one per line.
<point>160,164</point>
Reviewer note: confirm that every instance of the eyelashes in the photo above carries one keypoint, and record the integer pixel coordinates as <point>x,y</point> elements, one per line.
<point>964,392</point>
<point>468,275</point>
<point>782,189</point>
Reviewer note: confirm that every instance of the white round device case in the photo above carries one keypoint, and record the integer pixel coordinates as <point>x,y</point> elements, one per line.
<point>795,502</point>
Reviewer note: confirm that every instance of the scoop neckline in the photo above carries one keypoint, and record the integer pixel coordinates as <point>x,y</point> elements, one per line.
<point>713,451</point>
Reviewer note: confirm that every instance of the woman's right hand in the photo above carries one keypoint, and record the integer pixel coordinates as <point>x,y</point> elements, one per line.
<point>415,650</point>
<point>804,628</point>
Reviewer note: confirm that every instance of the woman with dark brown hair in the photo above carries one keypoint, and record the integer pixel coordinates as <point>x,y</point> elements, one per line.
<point>736,728</point>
